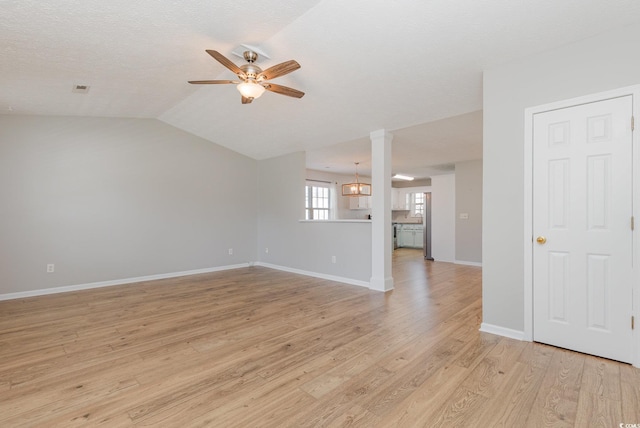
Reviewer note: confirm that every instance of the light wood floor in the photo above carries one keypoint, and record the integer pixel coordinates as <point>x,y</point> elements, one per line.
<point>261,348</point>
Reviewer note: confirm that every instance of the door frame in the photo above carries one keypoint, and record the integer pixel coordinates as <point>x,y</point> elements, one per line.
<point>529,113</point>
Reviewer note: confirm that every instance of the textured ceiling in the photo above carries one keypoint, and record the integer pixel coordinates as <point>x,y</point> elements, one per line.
<point>136,55</point>
<point>366,65</point>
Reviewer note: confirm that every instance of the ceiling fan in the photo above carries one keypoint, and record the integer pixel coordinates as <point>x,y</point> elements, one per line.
<point>253,80</point>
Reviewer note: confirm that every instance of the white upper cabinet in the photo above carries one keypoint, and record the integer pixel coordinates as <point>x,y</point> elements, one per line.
<point>398,199</point>
<point>359,202</point>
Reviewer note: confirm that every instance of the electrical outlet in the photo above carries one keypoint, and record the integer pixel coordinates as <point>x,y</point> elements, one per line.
<point>266,250</point>
<point>230,251</point>
<point>333,259</point>
<point>51,268</point>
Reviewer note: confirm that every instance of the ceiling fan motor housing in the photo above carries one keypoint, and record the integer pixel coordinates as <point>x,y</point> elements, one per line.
<point>251,70</point>
<point>250,56</point>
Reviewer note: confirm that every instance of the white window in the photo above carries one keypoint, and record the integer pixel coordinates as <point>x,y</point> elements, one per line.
<point>415,203</point>
<point>317,200</point>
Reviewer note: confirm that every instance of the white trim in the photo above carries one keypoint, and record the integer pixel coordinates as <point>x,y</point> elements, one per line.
<point>315,274</point>
<point>529,113</point>
<point>319,183</point>
<point>527,192</point>
<point>635,290</point>
<point>88,286</point>
<point>462,262</point>
<point>381,284</point>
<point>501,331</point>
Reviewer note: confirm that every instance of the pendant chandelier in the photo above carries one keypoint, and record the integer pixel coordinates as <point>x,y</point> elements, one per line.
<point>357,188</point>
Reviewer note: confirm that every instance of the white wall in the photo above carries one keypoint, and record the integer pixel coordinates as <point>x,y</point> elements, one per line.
<point>305,246</point>
<point>109,199</point>
<point>443,217</point>
<point>605,62</point>
<point>469,201</point>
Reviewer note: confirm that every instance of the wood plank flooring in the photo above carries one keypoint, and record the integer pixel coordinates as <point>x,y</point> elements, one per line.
<point>256,347</point>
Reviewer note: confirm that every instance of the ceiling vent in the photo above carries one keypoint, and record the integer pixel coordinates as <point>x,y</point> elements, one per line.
<point>80,89</point>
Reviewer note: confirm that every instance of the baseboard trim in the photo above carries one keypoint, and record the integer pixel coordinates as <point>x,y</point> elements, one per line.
<point>88,286</point>
<point>462,262</point>
<point>502,331</point>
<point>315,274</point>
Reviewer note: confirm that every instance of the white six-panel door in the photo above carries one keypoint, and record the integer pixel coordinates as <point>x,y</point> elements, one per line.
<point>582,236</point>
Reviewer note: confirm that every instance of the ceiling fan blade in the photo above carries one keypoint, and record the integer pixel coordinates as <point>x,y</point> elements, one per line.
<point>246,100</point>
<point>279,70</point>
<point>211,82</point>
<point>284,90</point>
<point>227,63</point>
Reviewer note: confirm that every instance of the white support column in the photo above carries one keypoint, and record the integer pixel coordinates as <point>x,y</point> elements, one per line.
<point>382,241</point>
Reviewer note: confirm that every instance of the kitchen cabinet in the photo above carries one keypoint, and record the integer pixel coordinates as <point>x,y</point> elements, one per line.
<point>411,236</point>
<point>399,200</point>
<point>394,198</point>
<point>418,238</point>
<point>404,236</point>
<point>359,202</point>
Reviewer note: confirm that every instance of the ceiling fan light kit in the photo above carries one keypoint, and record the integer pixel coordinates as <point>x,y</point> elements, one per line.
<point>253,80</point>
<point>250,89</point>
<point>356,188</point>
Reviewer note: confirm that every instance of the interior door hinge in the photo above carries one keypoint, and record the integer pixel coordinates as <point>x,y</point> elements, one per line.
<point>632,322</point>
<point>633,223</point>
<point>633,127</point>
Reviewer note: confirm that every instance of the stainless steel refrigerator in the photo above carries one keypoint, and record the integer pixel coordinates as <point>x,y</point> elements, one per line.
<point>426,219</point>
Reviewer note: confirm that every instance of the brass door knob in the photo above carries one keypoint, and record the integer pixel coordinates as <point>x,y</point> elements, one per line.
<point>541,240</point>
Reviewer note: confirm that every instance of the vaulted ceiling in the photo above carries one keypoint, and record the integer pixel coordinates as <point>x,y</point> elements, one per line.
<point>402,65</point>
